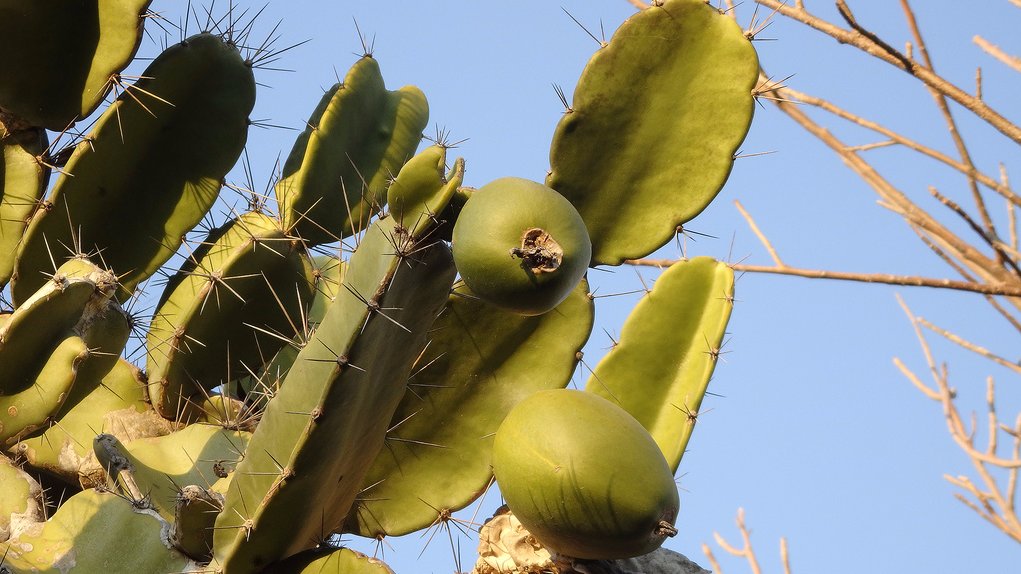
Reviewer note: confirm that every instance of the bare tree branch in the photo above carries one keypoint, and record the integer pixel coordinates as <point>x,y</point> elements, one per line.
<point>868,45</point>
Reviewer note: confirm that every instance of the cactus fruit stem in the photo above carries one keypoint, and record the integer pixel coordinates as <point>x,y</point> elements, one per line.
<point>539,252</point>
<point>666,529</point>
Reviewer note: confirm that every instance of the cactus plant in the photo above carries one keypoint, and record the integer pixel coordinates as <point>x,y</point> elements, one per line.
<point>290,397</point>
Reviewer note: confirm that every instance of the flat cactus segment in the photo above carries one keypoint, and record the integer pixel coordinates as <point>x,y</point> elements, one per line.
<point>480,362</point>
<point>330,561</point>
<point>357,139</point>
<point>318,436</point>
<point>166,143</point>
<point>422,190</point>
<point>67,55</point>
<point>21,499</point>
<point>257,390</point>
<point>95,531</point>
<point>233,305</point>
<point>657,116</point>
<point>669,345</point>
<point>37,326</point>
<point>23,180</point>
<point>195,515</point>
<point>24,412</point>
<point>199,454</point>
<point>118,406</point>
<point>330,273</point>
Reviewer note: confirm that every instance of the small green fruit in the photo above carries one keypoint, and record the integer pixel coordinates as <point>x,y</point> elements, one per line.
<point>584,477</point>
<point>520,245</point>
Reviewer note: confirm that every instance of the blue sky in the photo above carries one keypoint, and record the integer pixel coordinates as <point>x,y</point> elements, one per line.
<point>816,434</point>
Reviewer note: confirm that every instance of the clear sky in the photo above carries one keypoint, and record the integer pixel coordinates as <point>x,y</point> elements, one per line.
<point>816,434</point>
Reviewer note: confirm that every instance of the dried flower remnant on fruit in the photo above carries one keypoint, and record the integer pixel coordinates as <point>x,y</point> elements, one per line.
<point>539,252</point>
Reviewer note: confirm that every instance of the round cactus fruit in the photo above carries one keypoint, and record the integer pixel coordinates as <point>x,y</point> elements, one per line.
<point>584,477</point>
<point>520,245</point>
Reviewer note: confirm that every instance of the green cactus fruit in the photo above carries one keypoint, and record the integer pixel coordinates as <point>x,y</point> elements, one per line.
<point>358,137</point>
<point>584,476</point>
<point>238,298</point>
<point>681,322</point>
<point>21,499</point>
<point>520,245</point>
<point>95,531</point>
<point>23,180</point>
<point>118,406</point>
<point>329,561</point>
<point>179,130</point>
<point>337,398</point>
<point>657,116</point>
<point>422,191</point>
<point>481,361</point>
<point>62,58</point>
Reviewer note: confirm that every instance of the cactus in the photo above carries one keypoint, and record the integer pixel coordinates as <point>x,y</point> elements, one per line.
<point>634,195</point>
<point>681,321</point>
<point>289,399</point>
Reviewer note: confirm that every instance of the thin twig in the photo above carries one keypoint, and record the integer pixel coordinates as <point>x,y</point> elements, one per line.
<point>993,50</point>
<point>883,278</point>
<point>746,551</point>
<point>894,199</point>
<point>758,233</point>
<point>970,171</point>
<point>948,117</point>
<point>969,345</point>
<point>869,46</point>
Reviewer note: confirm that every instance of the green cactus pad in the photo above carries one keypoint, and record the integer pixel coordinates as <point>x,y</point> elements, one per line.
<point>23,413</point>
<point>357,139</point>
<point>233,305</point>
<point>329,561</point>
<point>421,191</point>
<point>41,322</point>
<point>166,144</point>
<point>93,532</point>
<point>656,119</point>
<point>338,397</point>
<point>118,406</point>
<point>198,455</point>
<point>23,179</point>
<point>681,323</point>
<point>481,361</point>
<point>61,57</point>
<point>21,499</point>
<point>194,517</point>
<point>329,273</point>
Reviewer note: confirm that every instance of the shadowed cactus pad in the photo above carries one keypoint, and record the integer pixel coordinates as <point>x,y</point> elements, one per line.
<point>85,44</point>
<point>180,136</point>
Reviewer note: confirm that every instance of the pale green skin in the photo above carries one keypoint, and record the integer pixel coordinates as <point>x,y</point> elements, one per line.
<point>584,476</point>
<point>493,222</point>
